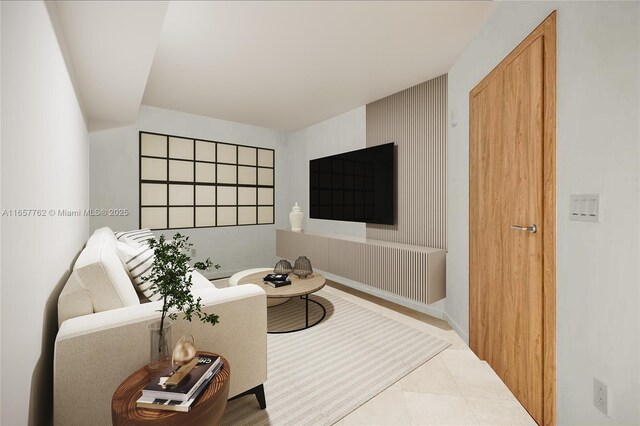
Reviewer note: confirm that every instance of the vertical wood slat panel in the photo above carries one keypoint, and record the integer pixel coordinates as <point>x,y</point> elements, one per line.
<point>416,120</point>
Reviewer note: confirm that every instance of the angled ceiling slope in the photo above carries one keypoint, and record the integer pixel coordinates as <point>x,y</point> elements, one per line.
<point>283,65</point>
<point>111,45</point>
<point>287,65</point>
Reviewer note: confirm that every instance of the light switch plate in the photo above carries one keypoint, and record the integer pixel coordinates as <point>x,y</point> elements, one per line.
<point>585,207</point>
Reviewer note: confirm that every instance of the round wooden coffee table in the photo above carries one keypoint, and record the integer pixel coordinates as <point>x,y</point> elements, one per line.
<point>207,410</point>
<point>302,287</point>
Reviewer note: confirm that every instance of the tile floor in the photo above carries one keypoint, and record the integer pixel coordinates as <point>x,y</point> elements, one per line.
<point>453,388</point>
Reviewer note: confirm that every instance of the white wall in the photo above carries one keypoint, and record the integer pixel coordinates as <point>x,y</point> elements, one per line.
<point>115,184</point>
<point>598,272</point>
<point>44,166</point>
<point>343,133</point>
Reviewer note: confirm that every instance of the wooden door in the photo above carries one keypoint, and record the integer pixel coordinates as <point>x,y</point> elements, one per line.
<point>512,189</point>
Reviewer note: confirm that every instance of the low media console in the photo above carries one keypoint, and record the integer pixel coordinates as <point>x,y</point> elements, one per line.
<point>413,272</point>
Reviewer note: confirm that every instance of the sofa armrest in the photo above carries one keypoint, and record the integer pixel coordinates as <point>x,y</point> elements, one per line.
<point>95,353</point>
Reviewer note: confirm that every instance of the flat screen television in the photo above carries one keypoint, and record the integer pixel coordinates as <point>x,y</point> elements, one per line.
<point>356,186</point>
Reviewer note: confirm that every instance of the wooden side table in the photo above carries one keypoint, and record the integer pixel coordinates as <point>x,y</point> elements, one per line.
<point>207,410</point>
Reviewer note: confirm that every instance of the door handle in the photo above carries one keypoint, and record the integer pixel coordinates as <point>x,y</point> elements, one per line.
<point>532,228</point>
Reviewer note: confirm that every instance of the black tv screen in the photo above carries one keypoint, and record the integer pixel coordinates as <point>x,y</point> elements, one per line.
<point>356,186</point>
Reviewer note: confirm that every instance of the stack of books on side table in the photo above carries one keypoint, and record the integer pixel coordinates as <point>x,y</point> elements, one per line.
<point>181,397</point>
<point>277,280</point>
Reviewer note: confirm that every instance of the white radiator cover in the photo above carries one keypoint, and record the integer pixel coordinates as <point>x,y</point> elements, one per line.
<point>413,272</point>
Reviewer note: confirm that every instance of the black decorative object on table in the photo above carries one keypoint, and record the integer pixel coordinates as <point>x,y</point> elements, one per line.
<point>283,267</point>
<point>302,267</point>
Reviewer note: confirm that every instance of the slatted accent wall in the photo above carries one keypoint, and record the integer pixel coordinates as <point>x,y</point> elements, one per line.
<point>416,120</point>
<point>414,272</point>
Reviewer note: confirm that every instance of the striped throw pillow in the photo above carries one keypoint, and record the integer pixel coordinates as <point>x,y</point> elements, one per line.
<point>139,236</point>
<point>139,261</point>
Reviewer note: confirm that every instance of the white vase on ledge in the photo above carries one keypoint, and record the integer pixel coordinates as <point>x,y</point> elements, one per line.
<point>295,217</point>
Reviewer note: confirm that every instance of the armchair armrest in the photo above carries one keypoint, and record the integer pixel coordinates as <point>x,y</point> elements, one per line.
<point>95,353</point>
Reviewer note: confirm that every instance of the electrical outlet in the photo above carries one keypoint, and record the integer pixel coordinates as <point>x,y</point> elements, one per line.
<point>600,397</point>
<point>193,252</point>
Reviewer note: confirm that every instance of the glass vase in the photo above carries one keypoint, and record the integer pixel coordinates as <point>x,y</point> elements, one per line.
<point>160,342</point>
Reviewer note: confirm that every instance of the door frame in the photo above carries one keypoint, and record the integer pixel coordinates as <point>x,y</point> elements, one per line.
<point>546,30</point>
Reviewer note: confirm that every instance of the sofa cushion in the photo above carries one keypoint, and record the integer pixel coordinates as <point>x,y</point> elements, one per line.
<point>74,300</point>
<point>130,242</point>
<point>139,236</point>
<point>102,235</point>
<point>110,273</point>
<point>139,261</point>
<point>200,281</point>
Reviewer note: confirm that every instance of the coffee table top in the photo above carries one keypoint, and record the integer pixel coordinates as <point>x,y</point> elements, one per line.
<point>298,287</point>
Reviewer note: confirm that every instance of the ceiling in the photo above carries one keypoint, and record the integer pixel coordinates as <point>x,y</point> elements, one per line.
<point>110,45</point>
<point>283,65</point>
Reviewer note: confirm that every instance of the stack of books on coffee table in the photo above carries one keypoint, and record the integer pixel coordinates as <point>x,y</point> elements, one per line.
<point>277,280</point>
<point>156,395</point>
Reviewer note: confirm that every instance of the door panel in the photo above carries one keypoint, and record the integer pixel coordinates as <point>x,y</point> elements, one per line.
<point>506,275</point>
<point>522,315</point>
<point>487,228</point>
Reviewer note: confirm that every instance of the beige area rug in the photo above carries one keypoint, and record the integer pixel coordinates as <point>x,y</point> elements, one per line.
<point>319,375</point>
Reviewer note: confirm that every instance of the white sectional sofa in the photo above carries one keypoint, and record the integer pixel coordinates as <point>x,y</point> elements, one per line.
<point>103,335</point>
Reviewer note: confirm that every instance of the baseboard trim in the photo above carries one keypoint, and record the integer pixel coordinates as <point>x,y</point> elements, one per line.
<point>408,303</point>
<point>457,328</point>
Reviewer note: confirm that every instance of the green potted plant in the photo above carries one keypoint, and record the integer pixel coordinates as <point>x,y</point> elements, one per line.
<point>171,278</point>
